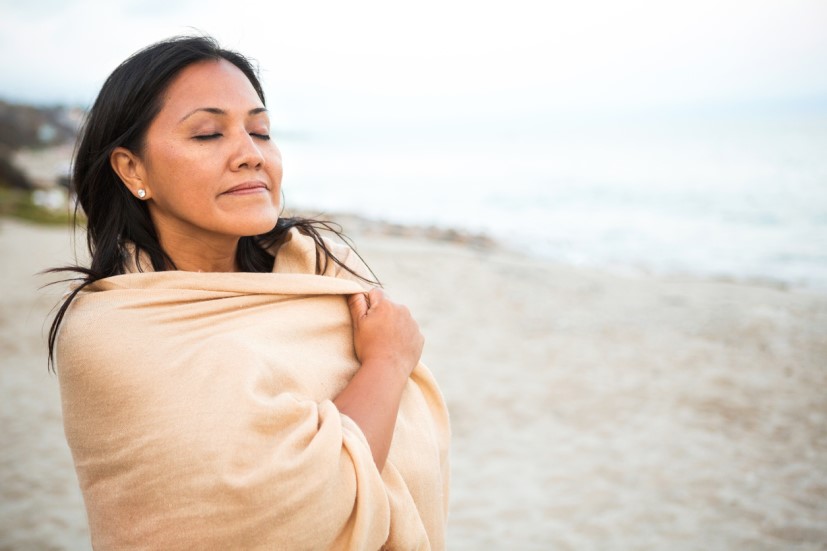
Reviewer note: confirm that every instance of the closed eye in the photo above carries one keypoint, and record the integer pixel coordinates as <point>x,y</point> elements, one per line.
<point>206,137</point>
<point>261,136</point>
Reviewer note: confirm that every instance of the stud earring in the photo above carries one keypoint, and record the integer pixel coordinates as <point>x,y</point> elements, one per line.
<point>141,194</point>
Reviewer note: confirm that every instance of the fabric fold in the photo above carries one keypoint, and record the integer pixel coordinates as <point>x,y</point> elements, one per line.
<point>198,408</point>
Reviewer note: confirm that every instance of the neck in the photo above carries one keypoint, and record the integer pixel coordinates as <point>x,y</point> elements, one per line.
<point>223,263</point>
<point>198,255</point>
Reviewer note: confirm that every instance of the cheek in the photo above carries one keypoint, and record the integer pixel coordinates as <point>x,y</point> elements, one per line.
<point>275,167</point>
<point>179,173</point>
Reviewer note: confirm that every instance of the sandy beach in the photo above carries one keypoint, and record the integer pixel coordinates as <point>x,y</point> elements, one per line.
<point>590,410</point>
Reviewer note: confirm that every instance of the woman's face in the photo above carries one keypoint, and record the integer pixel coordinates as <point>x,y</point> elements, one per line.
<point>210,168</point>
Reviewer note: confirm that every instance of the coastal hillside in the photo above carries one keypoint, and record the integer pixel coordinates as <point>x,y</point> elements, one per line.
<point>27,130</point>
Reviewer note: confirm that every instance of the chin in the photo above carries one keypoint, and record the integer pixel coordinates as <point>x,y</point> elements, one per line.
<point>251,224</point>
<point>257,228</point>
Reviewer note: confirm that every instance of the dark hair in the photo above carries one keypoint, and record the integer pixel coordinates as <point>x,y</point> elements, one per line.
<point>128,102</point>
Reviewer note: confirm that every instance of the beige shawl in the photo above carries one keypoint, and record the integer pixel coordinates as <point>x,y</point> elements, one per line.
<point>198,410</point>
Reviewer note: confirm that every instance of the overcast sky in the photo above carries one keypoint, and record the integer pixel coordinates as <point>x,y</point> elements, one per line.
<point>437,58</point>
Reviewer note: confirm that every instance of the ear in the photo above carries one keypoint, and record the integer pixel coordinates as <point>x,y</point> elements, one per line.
<point>130,169</point>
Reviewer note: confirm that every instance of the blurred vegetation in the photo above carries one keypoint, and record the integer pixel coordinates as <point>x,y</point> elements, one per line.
<point>19,203</point>
<point>31,127</point>
<point>10,175</point>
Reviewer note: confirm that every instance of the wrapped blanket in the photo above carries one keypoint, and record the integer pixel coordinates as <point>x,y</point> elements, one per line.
<point>198,410</point>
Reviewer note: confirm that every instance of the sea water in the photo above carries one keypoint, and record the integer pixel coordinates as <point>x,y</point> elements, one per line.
<point>729,195</point>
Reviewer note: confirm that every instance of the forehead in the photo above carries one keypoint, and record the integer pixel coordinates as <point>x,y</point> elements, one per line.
<point>213,83</point>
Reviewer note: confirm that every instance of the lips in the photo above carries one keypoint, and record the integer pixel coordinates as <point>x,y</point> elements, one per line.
<point>246,187</point>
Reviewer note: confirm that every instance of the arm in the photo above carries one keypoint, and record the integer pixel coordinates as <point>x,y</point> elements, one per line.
<point>388,344</point>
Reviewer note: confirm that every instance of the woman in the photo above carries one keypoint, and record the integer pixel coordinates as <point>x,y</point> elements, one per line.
<point>230,379</point>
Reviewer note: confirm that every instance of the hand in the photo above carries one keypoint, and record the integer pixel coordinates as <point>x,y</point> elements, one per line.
<point>384,332</point>
<point>388,344</point>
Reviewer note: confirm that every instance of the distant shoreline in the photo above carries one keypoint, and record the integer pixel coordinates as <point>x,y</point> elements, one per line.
<point>357,227</point>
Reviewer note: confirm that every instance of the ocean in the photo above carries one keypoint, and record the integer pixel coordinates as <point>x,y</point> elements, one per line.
<point>723,194</point>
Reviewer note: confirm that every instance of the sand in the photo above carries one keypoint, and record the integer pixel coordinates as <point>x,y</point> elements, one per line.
<point>590,410</point>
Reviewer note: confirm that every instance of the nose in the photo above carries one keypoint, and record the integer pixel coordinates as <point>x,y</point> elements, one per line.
<point>247,153</point>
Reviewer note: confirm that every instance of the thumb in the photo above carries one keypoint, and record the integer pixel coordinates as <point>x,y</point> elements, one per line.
<point>358,304</point>
<point>375,296</point>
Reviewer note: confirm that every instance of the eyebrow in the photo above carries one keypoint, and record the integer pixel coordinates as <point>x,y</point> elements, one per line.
<point>217,111</point>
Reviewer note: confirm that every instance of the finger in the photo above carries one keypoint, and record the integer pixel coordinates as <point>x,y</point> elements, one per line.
<point>358,304</point>
<point>375,297</point>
